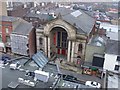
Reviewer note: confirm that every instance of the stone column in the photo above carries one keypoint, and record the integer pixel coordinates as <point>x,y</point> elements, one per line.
<point>76,48</point>
<point>72,52</point>
<point>83,50</point>
<point>45,40</point>
<point>69,48</point>
<point>48,47</point>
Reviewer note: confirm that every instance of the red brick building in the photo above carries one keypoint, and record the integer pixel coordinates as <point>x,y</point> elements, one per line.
<point>23,39</point>
<point>8,24</point>
<point>18,36</point>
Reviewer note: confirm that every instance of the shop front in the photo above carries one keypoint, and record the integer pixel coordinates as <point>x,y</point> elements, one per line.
<point>2,47</point>
<point>91,70</point>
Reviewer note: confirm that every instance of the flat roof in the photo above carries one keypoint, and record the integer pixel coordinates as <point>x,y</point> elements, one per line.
<point>113,81</point>
<point>111,30</point>
<point>112,47</point>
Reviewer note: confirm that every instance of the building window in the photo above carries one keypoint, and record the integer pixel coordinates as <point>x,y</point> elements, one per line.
<point>8,38</point>
<point>117,67</point>
<point>62,40</point>
<point>80,47</point>
<point>7,30</point>
<point>58,39</point>
<point>118,58</point>
<point>40,41</point>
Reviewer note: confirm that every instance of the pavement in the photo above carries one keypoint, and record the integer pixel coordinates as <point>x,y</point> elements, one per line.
<point>68,69</point>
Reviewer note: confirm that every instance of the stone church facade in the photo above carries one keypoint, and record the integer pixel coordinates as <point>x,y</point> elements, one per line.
<point>64,37</point>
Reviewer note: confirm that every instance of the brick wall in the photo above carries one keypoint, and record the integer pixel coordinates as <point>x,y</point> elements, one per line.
<point>4,34</point>
<point>32,42</point>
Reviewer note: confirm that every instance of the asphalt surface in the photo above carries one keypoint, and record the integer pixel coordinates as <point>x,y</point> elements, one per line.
<point>9,75</point>
<point>82,77</point>
<point>13,75</point>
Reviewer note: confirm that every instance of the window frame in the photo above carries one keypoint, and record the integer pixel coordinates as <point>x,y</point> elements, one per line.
<point>117,58</point>
<point>80,47</point>
<point>40,41</point>
<point>117,68</point>
<point>7,30</point>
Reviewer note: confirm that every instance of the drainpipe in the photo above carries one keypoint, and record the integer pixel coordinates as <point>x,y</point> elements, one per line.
<point>105,80</point>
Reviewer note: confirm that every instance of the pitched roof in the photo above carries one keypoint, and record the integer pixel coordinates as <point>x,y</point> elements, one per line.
<point>8,18</point>
<point>82,22</point>
<point>79,19</point>
<point>40,16</point>
<point>98,40</point>
<point>112,47</point>
<point>23,28</point>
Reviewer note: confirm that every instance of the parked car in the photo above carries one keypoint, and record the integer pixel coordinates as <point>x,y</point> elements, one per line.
<point>93,84</point>
<point>69,78</point>
<point>5,58</point>
<point>15,66</point>
<point>32,74</point>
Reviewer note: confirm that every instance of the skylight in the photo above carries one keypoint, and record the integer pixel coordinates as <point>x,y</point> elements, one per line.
<point>76,13</point>
<point>98,44</point>
<point>100,39</point>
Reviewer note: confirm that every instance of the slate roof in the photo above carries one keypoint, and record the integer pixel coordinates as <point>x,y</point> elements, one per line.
<point>63,11</point>
<point>40,16</point>
<point>23,28</point>
<point>8,18</point>
<point>84,22</point>
<point>112,47</point>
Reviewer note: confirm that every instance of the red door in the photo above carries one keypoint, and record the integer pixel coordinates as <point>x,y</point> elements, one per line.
<point>58,51</point>
<point>54,39</point>
<point>63,52</point>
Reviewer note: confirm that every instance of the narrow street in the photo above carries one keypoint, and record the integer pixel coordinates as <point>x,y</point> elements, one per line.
<point>82,77</point>
<point>76,72</point>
